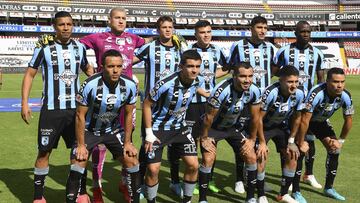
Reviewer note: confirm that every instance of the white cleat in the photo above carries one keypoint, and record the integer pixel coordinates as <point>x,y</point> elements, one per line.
<point>286,199</point>
<point>290,188</point>
<point>239,187</point>
<point>262,199</point>
<point>267,187</point>
<point>252,200</point>
<point>311,180</point>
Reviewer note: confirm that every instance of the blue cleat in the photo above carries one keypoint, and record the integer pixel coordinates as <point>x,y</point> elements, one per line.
<point>331,192</point>
<point>177,189</point>
<point>298,197</point>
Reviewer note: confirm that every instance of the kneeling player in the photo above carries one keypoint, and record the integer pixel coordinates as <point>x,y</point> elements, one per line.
<point>280,119</point>
<point>225,105</point>
<point>320,104</point>
<point>100,98</point>
<point>164,117</point>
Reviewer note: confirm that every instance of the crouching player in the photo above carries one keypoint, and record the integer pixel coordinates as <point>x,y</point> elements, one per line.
<point>225,105</point>
<point>164,113</point>
<point>99,101</point>
<point>280,120</point>
<point>320,104</point>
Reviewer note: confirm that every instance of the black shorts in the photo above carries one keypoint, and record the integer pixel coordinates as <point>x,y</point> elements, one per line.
<point>194,118</point>
<point>233,137</point>
<point>113,141</point>
<point>52,125</point>
<point>322,129</point>
<point>180,140</point>
<point>279,136</point>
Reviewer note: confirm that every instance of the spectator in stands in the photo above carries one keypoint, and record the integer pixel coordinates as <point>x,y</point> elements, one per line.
<point>309,61</point>
<point>125,43</point>
<point>61,83</point>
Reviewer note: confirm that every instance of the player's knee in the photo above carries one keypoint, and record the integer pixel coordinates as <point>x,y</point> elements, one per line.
<point>208,159</point>
<point>129,162</point>
<point>153,170</point>
<point>250,158</point>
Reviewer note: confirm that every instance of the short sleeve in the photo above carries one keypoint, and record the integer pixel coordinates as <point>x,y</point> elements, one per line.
<point>82,97</point>
<point>37,58</point>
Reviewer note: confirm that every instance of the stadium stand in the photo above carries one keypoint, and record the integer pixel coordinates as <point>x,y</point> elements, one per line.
<point>352,49</point>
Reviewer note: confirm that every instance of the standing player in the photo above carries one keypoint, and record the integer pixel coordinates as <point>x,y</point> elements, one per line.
<point>125,43</point>
<point>321,103</point>
<point>161,57</point>
<point>309,61</point>
<point>164,118</point>
<point>60,59</point>
<point>228,99</point>
<point>279,120</point>
<point>255,50</point>
<point>97,122</point>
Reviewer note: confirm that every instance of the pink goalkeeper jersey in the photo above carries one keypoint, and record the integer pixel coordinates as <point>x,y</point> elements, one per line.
<point>125,44</point>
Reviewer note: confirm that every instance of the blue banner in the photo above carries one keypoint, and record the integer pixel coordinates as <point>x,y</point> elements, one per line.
<point>184,32</point>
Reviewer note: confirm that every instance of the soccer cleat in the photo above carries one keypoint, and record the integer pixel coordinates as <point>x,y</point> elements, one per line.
<point>196,190</point>
<point>212,187</point>
<point>286,199</point>
<point>298,197</point>
<point>311,180</point>
<point>262,199</point>
<point>331,192</point>
<point>97,195</point>
<point>239,187</point>
<point>177,189</point>
<point>290,188</point>
<point>203,202</point>
<point>42,200</point>
<point>251,200</point>
<point>83,199</point>
<point>124,190</point>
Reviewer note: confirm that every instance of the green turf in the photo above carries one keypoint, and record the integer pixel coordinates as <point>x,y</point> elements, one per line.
<point>18,152</point>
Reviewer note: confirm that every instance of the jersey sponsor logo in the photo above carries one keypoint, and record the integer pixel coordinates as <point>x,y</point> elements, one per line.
<point>214,102</point>
<point>66,97</point>
<point>67,77</point>
<point>129,40</point>
<point>120,41</point>
<point>303,77</point>
<point>238,106</point>
<point>106,117</point>
<point>259,73</point>
<point>164,73</point>
<point>66,54</point>
<point>207,74</point>
<point>284,107</point>
<point>111,99</point>
<point>349,110</point>
<point>218,92</point>
<point>179,113</point>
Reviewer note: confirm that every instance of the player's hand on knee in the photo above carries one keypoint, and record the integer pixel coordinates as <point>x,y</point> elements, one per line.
<point>293,151</point>
<point>130,150</point>
<point>208,144</point>
<point>81,153</point>
<point>304,147</point>
<point>262,151</point>
<point>248,145</point>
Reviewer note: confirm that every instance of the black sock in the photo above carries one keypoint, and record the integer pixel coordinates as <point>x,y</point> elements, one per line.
<point>286,180</point>
<point>332,162</point>
<point>39,182</point>
<point>282,160</point>
<point>174,165</point>
<point>83,183</point>
<point>142,160</point>
<point>133,183</point>
<point>260,184</point>
<point>204,178</point>
<point>296,180</point>
<point>72,186</point>
<point>151,201</point>
<point>239,167</point>
<point>251,183</point>
<point>309,158</point>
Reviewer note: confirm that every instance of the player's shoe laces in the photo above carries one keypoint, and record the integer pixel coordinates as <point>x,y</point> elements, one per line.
<point>196,190</point>
<point>83,199</point>
<point>42,200</point>
<point>331,192</point>
<point>213,188</point>
<point>311,180</point>
<point>97,195</point>
<point>251,200</point>
<point>298,197</point>
<point>124,190</point>
<point>177,189</point>
<point>286,199</point>
<point>262,199</point>
<point>239,187</point>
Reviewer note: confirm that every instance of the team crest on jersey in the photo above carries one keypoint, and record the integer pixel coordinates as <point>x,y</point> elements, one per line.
<point>66,54</point>
<point>207,74</point>
<point>129,40</point>
<point>120,41</point>
<point>238,106</point>
<point>67,77</point>
<point>44,140</point>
